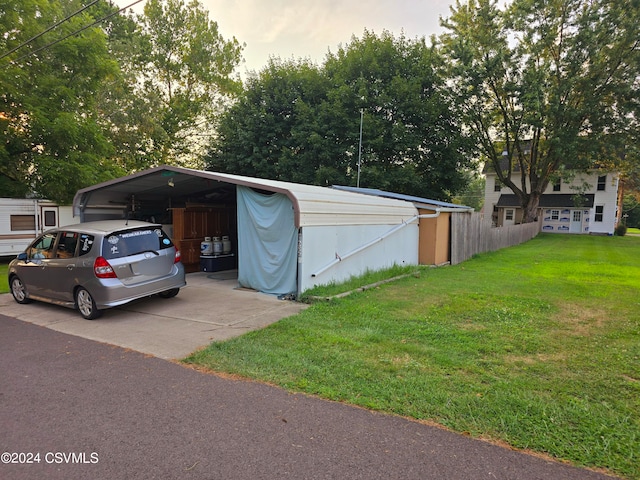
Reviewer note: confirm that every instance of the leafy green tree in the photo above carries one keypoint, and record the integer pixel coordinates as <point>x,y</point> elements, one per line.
<point>473,194</point>
<point>631,210</point>
<point>551,83</point>
<point>275,129</point>
<point>299,122</point>
<point>115,98</point>
<point>185,72</point>
<point>52,139</point>
<point>411,141</point>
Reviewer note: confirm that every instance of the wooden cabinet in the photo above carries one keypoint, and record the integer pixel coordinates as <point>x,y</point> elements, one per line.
<point>193,223</point>
<point>190,224</point>
<point>190,253</point>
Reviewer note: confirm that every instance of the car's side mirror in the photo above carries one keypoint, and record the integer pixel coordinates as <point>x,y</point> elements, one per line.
<point>23,256</point>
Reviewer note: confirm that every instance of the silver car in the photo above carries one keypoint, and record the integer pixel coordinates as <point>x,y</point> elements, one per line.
<point>96,265</point>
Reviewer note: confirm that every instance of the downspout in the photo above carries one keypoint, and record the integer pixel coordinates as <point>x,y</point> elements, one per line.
<point>340,258</point>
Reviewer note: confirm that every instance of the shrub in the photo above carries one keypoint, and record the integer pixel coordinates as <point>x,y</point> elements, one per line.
<point>621,230</point>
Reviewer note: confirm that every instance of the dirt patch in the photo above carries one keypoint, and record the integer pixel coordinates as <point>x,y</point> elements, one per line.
<point>537,358</point>
<point>579,320</point>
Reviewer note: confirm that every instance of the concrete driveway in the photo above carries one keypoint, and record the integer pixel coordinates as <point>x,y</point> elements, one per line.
<point>210,308</point>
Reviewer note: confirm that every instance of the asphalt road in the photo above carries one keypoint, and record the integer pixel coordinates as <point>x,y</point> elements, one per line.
<point>80,409</point>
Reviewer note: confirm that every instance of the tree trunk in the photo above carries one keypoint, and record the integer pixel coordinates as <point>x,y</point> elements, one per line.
<point>530,208</point>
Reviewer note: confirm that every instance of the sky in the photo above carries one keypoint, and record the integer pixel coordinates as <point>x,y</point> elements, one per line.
<point>310,28</point>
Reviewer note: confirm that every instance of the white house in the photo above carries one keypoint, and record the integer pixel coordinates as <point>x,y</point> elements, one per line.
<point>588,204</point>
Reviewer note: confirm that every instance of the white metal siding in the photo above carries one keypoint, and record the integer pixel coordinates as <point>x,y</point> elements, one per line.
<point>609,200</point>
<point>322,244</point>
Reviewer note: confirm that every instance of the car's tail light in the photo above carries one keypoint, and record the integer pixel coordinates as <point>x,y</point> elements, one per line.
<point>177,256</point>
<point>102,269</point>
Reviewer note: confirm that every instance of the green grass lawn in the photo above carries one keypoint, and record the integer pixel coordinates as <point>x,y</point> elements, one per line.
<point>4,282</point>
<point>536,345</point>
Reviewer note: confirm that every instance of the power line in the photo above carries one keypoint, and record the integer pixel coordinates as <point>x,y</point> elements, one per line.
<point>76,32</point>
<point>48,30</point>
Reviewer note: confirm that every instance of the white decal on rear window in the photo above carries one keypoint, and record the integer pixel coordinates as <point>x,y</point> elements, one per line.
<point>136,233</point>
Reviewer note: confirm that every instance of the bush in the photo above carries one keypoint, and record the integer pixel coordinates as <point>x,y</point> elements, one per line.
<point>621,230</point>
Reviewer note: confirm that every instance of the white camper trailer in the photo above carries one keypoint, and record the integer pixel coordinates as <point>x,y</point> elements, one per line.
<point>22,219</point>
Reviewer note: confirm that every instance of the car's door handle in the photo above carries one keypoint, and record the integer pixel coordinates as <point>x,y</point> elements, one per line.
<point>71,267</point>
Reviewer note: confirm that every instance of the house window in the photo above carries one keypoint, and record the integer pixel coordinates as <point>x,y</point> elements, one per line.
<point>50,218</point>
<point>497,186</point>
<point>23,222</point>
<point>602,183</point>
<point>599,213</point>
<point>557,185</point>
<point>508,215</point>
<point>577,216</point>
<point>555,214</point>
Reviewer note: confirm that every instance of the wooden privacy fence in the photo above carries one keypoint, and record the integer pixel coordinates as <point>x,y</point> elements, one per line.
<point>472,233</point>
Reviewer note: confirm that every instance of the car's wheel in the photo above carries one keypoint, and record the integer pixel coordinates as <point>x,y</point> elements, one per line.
<point>86,305</point>
<point>19,291</point>
<point>169,293</point>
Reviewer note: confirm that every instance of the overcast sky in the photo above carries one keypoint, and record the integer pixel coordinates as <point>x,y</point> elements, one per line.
<point>310,28</point>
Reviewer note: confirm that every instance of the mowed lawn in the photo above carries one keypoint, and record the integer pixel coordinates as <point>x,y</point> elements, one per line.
<point>536,345</point>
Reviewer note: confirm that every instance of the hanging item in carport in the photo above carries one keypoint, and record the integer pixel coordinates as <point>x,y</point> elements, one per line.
<point>267,242</point>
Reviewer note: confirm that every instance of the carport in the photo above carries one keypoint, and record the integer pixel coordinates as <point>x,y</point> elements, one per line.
<point>285,237</point>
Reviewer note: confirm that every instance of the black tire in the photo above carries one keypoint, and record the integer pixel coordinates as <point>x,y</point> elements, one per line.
<point>169,293</point>
<point>86,305</point>
<point>18,290</point>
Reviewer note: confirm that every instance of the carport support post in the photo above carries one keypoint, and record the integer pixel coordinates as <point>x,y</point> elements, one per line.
<point>299,272</point>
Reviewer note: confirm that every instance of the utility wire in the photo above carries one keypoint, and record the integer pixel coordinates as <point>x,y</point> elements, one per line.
<point>48,30</point>
<point>76,32</point>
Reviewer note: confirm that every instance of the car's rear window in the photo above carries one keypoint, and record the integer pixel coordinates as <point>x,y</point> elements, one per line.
<point>132,242</point>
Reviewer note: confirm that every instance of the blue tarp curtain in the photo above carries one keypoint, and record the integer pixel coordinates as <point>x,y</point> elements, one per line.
<point>267,242</point>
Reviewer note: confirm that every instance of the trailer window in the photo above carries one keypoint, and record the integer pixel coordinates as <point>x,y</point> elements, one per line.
<point>23,222</point>
<point>49,218</point>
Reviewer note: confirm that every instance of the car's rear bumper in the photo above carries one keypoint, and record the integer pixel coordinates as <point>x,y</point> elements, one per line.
<point>112,292</point>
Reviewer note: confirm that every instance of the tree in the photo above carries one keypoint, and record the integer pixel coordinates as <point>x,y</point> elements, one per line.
<point>106,100</point>
<point>631,210</point>
<point>52,140</point>
<point>411,139</point>
<point>185,68</point>
<point>545,85</point>
<point>275,128</point>
<point>301,123</point>
<point>473,194</point>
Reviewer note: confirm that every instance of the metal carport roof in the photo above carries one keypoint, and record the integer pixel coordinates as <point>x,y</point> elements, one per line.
<point>419,202</point>
<point>313,205</point>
